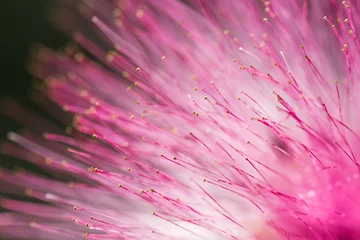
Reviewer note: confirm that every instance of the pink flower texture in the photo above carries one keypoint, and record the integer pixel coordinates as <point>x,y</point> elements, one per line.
<point>193,119</point>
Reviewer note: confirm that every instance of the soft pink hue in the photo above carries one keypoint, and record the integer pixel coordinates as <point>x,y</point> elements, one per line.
<point>214,119</point>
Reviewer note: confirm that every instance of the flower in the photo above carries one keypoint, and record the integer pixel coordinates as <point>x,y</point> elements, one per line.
<point>205,120</point>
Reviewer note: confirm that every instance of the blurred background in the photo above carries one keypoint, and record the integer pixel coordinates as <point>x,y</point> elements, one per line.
<point>23,22</point>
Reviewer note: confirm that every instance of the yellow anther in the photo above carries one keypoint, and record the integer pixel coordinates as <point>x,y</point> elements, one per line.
<point>139,13</point>
<point>125,74</point>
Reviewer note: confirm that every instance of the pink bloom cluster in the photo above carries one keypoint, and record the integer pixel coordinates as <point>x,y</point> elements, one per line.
<point>193,119</point>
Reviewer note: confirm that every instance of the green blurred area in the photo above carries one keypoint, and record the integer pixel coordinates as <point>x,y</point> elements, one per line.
<point>23,22</point>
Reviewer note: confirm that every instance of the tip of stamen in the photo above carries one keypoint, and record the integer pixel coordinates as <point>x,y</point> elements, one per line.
<point>94,19</point>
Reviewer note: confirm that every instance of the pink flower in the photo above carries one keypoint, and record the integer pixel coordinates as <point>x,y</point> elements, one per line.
<point>219,119</point>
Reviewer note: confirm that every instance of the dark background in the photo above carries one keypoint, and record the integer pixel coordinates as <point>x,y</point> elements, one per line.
<point>22,22</point>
